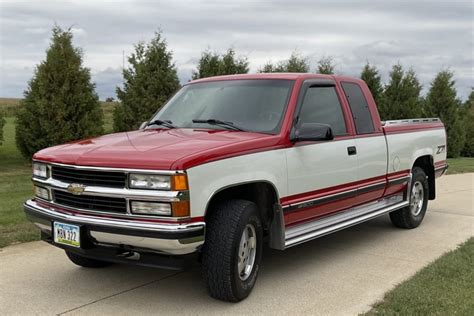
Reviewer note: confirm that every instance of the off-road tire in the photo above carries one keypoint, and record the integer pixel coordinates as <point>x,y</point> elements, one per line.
<point>86,262</point>
<point>404,218</point>
<point>224,229</point>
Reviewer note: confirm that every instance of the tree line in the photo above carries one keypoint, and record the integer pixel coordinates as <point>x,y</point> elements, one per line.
<point>61,105</point>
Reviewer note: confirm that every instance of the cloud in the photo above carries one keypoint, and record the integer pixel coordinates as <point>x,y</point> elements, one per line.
<point>429,36</point>
<point>106,81</point>
<point>78,32</point>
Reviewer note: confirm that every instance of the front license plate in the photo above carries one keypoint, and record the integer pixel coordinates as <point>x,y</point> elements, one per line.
<point>67,234</point>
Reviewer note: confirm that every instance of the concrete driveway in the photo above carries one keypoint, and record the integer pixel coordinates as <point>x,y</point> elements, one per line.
<point>343,273</point>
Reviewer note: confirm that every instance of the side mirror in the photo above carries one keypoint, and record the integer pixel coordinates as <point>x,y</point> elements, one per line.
<point>143,125</point>
<point>312,132</point>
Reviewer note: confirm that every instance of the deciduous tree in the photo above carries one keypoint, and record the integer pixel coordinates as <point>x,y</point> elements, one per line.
<point>60,103</point>
<point>149,81</point>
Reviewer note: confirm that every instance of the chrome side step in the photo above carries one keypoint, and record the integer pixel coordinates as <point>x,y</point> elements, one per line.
<point>332,223</point>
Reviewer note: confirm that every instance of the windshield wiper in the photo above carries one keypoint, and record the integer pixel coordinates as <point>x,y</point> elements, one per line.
<point>227,124</point>
<point>166,123</point>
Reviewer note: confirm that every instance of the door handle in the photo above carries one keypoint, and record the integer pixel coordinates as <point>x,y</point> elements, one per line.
<point>352,150</point>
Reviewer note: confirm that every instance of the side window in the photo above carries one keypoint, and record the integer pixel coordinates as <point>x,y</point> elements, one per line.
<point>321,105</point>
<point>359,108</point>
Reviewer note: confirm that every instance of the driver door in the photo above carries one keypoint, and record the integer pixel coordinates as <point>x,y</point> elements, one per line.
<point>321,174</point>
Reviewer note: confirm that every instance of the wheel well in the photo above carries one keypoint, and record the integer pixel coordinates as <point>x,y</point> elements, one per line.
<point>261,193</point>
<point>426,163</point>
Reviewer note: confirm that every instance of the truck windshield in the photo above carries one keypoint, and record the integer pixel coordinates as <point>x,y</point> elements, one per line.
<point>252,105</point>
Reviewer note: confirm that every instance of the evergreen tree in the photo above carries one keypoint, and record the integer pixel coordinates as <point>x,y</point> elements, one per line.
<point>468,115</point>
<point>213,64</point>
<point>442,102</point>
<point>2,123</point>
<point>270,67</point>
<point>295,63</point>
<point>326,65</point>
<point>60,103</point>
<point>149,82</point>
<point>371,76</point>
<point>401,97</point>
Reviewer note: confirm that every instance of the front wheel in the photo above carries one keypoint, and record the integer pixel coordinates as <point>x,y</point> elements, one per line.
<point>232,251</point>
<point>412,215</point>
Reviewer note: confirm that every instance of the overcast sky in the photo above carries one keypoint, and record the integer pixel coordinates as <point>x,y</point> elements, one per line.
<point>428,36</point>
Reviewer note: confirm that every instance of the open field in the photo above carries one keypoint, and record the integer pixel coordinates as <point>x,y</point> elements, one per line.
<point>445,287</point>
<point>9,106</point>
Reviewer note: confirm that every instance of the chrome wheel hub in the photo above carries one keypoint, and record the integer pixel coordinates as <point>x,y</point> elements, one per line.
<point>247,252</point>
<point>416,198</point>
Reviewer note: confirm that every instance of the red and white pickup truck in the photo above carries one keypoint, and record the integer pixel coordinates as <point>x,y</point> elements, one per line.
<point>232,163</point>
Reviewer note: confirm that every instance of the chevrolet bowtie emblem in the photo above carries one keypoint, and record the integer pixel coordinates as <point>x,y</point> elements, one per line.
<point>76,188</point>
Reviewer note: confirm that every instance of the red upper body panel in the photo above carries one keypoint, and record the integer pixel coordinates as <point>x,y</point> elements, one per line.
<point>161,149</point>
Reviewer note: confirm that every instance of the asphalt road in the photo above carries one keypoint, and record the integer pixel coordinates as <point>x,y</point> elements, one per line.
<point>343,273</point>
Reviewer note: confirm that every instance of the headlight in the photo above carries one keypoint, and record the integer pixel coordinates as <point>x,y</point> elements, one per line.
<point>151,208</point>
<point>158,182</point>
<point>42,193</point>
<point>40,170</point>
<point>150,181</point>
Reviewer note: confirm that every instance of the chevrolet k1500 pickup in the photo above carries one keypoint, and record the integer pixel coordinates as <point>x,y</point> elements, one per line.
<point>229,164</point>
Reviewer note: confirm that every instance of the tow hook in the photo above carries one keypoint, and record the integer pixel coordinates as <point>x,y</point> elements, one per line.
<point>129,255</point>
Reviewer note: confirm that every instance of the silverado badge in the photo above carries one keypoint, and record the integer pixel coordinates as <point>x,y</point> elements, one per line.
<point>76,188</point>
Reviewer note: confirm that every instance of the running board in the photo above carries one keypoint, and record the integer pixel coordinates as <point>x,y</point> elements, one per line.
<point>301,233</point>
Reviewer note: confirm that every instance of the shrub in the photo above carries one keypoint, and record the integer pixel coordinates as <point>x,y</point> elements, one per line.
<point>60,103</point>
<point>150,80</point>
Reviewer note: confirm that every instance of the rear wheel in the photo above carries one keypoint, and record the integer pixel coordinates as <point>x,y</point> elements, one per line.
<point>412,215</point>
<point>86,262</point>
<point>232,251</point>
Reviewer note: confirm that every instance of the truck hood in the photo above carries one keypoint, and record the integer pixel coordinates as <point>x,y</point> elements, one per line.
<point>165,149</point>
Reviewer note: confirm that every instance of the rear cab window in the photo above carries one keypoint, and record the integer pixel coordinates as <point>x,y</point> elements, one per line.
<point>359,107</point>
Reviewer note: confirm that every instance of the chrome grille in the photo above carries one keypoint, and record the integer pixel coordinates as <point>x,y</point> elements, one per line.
<point>112,179</point>
<point>91,202</point>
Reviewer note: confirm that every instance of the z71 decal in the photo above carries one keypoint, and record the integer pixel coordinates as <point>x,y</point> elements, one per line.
<point>441,149</point>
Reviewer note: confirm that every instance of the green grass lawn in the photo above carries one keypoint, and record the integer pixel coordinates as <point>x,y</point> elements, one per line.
<point>445,287</point>
<point>15,188</point>
<point>460,165</point>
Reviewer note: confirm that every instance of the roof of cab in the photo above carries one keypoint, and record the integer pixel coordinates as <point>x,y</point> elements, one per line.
<point>287,76</point>
<point>277,75</point>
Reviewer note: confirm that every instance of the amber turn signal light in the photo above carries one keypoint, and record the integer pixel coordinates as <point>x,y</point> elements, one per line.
<point>179,182</point>
<point>180,209</point>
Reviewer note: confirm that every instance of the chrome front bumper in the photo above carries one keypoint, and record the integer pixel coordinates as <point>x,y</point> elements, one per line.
<point>173,239</point>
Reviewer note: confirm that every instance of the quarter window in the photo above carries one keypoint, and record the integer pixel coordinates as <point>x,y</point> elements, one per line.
<point>359,108</point>
<point>321,105</point>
